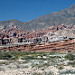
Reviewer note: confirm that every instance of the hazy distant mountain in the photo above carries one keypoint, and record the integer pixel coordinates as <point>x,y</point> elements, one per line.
<point>66,16</point>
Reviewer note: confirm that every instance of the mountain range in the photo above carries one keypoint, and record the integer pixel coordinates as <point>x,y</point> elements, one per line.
<point>66,16</point>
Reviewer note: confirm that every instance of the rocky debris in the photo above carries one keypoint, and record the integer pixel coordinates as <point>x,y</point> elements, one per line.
<point>62,46</point>
<point>30,71</point>
<point>51,34</point>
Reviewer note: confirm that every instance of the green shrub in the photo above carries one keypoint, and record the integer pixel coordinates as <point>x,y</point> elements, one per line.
<point>60,67</point>
<point>5,55</point>
<point>71,63</point>
<point>26,66</point>
<point>70,57</point>
<point>67,72</point>
<point>43,73</point>
<point>36,73</point>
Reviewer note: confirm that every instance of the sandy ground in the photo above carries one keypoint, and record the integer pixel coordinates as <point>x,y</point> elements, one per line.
<point>29,71</point>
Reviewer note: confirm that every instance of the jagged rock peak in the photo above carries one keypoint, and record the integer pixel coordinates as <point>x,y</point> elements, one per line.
<point>72,6</point>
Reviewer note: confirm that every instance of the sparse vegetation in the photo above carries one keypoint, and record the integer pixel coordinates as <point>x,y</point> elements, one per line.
<point>67,72</point>
<point>72,63</point>
<point>44,73</point>
<point>60,67</point>
<point>40,60</point>
<point>70,56</point>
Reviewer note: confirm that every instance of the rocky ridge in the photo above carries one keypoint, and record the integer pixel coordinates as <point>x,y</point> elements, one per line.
<point>66,16</point>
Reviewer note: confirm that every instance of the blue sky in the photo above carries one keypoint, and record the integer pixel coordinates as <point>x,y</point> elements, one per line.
<point>26,10</point>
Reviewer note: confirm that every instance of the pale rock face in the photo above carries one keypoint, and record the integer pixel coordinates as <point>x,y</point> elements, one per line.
<point>74,40</point>
<point>2,27</point>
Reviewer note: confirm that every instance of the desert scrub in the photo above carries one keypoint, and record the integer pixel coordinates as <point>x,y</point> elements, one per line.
<point>36,73</point>
<point>70,57</point>
<point>43,65</point>
<point>6,63</point>
<point>71,63</point>
<point>49,73</point>
<point>46,64</point>
<point>67,72</point>
<point>5,55</point>
<point>60,67</point>
<point>26,66</point>
<point>43,69</point>
<point>40,66</point>
<point>43,73</point>
<point>1,69</point>
<point>34,65</point>
<point>41,61</point>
